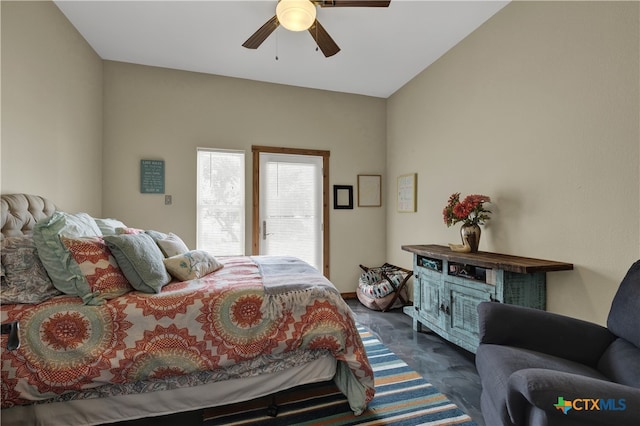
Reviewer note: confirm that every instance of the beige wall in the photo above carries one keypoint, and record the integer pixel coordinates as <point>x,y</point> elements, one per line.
<point>51,108</point>
<point>55,118</point>
<point>539,109</point>
<point>155,113</point>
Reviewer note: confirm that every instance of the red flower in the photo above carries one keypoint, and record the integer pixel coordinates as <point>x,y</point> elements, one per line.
<point>462,210</point>
<point>470,210</point>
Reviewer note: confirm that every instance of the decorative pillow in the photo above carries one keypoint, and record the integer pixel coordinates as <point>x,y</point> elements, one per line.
<point>99,267</point>
<point>172,245</point>
<point>62,269</point>
<point>192,264</point>
<point>140,260</point>
<point>125,230</point>
<point>24,278</point>
<point>109,226</point>
<point>156,235</point>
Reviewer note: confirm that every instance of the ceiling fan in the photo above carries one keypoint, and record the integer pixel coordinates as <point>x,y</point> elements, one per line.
<point>300,15</point>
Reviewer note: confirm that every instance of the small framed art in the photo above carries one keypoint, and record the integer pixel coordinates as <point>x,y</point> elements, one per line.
<point>407,193</point>
<point>342,196</point>
<point>369,190</point>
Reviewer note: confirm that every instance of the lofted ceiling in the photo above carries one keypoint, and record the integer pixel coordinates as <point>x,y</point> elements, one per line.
<point>381,48</point>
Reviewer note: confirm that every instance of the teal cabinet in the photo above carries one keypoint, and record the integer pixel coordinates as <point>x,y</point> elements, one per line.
<point>448,286</point>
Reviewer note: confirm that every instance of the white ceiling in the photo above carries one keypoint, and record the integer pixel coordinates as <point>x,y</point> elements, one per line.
<point>382,48</point>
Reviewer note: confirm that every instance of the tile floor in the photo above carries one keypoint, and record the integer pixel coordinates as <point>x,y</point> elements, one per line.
<point>446,366</point>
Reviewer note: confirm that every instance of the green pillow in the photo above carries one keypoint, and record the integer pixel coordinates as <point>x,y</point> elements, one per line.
<point>140,260</point>
<point>156,235</point>
<point>61,267</point>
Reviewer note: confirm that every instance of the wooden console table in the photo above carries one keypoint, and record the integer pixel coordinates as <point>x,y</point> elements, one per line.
<point>448,286</point>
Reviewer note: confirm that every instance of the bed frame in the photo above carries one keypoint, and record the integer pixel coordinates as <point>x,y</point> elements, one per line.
<point>20,212</point>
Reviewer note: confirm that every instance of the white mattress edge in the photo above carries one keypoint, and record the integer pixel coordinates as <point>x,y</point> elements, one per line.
<point>131,407</point>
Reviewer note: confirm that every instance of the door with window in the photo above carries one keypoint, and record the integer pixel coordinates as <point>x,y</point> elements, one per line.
<point>291,218</point>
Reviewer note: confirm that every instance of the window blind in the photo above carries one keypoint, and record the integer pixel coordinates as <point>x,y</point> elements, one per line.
<point>221,202</point>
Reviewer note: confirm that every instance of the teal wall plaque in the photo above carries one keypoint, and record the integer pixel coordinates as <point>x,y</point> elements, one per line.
<point>152,176</point>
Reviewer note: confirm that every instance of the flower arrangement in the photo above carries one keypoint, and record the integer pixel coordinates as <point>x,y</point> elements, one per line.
<point>471,210</point>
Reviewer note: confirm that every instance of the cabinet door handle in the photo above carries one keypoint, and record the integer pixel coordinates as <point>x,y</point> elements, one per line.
<point>445,309</point>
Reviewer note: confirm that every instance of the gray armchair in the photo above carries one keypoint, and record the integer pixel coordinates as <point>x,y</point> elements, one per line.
<point>540,368</point>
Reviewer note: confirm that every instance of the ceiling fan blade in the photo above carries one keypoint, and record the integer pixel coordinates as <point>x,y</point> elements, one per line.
<point>323,39</point>
<point>261,35</point>
<point>353,3</point>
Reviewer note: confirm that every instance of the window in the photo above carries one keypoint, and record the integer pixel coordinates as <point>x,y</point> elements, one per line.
<point>220,222</point>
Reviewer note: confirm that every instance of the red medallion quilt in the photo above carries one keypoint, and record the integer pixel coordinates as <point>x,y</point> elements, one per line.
<point>210,323</point>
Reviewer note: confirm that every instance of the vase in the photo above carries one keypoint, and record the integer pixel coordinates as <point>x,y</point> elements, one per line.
<point>470,235</point>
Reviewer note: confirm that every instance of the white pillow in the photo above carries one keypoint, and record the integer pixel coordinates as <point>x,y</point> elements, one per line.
<point>191,265</point>
<point>172,245</point>
<point>109,226</point>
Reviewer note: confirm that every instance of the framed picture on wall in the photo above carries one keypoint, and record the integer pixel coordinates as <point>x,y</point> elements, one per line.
<point>152,176</point>
<point>407,193</point>
<point>369,190</point>
<point>342,196</point>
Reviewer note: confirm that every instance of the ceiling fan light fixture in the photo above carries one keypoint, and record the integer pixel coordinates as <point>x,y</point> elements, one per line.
<point>296,15</point>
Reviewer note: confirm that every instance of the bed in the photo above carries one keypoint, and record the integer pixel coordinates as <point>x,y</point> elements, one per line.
<point>106,343</point>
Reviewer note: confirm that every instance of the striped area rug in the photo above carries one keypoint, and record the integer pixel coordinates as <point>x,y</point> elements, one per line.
<point>403,397</point>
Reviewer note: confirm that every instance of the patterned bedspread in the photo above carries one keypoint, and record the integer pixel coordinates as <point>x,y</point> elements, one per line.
<point>211,324</point>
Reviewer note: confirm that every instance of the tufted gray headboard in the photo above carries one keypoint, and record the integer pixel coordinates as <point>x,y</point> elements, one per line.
<point>20,212</point>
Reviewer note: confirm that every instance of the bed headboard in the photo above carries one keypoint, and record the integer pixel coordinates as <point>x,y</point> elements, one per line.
<point>20,212</point>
